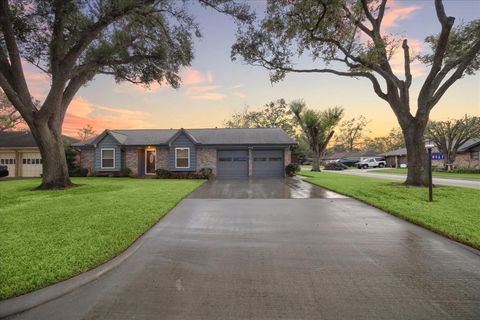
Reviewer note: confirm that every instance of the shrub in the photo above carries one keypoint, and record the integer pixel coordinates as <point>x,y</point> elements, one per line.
<point>335,166</point>
<point>125,172</point>
<point>163,174</point>
<point>205,173</point>
<point>79,172</point>
<point>292,169</point>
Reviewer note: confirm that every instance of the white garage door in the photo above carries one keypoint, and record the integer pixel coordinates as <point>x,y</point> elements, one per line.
<point>8,159</point>
<point>31,164</point>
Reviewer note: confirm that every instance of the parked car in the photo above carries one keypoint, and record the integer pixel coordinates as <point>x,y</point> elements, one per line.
<point>377,162</point>
<point>349,162</point>
<point>3,171</point>
<point>335,166</point>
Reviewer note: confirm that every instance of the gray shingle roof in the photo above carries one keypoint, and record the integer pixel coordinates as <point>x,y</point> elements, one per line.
<point>469,144</point>
<point>463,148</point>
<point>220,136</point>
<point>23,139</point>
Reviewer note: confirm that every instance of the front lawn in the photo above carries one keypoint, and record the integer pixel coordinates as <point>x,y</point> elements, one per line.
<point>454,211</point>
<point>48,236</point>
<point>452,175</point>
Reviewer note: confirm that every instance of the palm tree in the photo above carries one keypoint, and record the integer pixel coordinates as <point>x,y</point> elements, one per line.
<point>317,127</point>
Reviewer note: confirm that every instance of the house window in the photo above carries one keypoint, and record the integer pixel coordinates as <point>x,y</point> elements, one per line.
<point>182,157</point>
<point>474,155</point>
<point>108,158</point>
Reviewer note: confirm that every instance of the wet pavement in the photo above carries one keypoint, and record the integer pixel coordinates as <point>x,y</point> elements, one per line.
<point>321,258</point>
<point>261,188</point>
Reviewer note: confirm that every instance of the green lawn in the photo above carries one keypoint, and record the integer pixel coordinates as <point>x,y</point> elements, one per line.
<point>48,236</point>
<point>454,211</point>
<point>435,174</point>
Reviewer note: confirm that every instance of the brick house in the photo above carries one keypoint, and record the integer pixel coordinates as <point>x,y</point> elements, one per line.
<point>259,152</point>
<point>467,156</point>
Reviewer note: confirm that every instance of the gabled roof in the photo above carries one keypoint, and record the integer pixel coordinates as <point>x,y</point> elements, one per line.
<point>217,136</point>
<point>186,133</point>
<point>471,143</point>
<point>23,139</point>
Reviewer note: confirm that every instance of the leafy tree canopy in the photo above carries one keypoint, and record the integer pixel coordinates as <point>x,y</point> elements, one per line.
<point>273,114</point>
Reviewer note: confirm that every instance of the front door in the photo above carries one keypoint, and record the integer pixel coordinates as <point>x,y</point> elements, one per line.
<point>150,156</point>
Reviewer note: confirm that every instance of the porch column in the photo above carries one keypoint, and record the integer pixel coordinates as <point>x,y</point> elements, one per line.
<point>250,162</point>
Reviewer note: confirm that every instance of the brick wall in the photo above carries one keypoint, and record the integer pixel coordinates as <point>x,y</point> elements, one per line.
<point>207,158</point>
<point>462,160</point>
<point>162,158</point>
<point>131,160</point>
<point>87,159</point>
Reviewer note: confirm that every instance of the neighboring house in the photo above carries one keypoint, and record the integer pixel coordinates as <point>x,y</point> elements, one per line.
<point>19,152</point>
<point>467,156</point>
<point>259,152</point>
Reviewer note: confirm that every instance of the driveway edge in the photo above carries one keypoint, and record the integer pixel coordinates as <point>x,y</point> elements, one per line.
<point>33,299</point>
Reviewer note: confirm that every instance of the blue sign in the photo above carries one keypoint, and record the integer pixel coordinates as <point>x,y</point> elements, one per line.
<point>438,156</point>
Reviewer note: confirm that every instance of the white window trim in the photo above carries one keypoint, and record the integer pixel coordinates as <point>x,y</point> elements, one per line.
<point>154,150</point>
<point>101,158</point>
<point>187,167</point>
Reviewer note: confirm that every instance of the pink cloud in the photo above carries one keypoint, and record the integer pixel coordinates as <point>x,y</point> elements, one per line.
<point>205,93</point>
<point>395,13</point>
<point>82,112</point>
<point>189,76</point>
<point>194,76</point>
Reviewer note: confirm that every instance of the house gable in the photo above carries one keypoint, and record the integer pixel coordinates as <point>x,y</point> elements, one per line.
<point>108,142</point>
<point>182,140</point>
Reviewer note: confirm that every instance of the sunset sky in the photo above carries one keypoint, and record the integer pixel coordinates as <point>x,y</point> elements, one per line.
<point>214,86</point>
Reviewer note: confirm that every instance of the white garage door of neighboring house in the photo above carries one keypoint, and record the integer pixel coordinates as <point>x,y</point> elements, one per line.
<point>8,159</point>
<point>31,164</point>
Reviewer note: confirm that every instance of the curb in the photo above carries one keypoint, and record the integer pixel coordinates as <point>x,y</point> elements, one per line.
<point>33,299</point>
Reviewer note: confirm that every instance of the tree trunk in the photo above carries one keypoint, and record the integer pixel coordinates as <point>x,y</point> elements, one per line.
<point>450,159</point>
<point>48,135</point>
<point>417,159</point>
<point>316,161</point>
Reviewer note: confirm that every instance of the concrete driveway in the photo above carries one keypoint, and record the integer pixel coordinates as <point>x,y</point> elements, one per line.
<point>317,258</point>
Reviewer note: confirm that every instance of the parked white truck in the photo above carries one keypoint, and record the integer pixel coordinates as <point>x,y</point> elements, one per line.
<point>377,162</point>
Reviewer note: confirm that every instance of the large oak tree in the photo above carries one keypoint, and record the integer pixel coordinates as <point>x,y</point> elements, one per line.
<point>141,41</point>
<point>345,38</point>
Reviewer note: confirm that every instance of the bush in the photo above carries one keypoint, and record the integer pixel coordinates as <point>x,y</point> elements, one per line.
<point>203,173</point>
<point>125,172</point>
<point>163,174</point>
<point>335,166</point>
<point>79,172</point>
<point>292,169</point>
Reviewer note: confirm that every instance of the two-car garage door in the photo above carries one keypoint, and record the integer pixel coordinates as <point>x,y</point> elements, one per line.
<point>235,163</point>
<point>29,164</point>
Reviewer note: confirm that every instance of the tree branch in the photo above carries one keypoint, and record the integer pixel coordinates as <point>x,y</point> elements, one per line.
<point>406,58</point>
<point>19,82</point>
<point>442,44</point>
<point>376,86</point>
